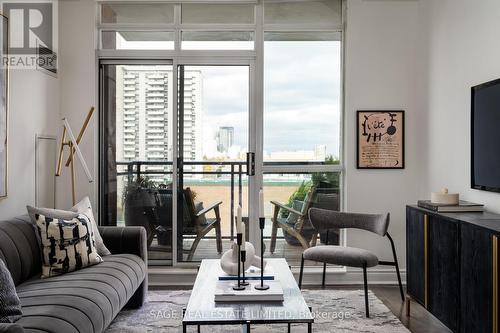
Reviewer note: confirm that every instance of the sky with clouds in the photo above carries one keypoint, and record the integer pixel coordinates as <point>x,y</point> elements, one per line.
<point>301,97</point>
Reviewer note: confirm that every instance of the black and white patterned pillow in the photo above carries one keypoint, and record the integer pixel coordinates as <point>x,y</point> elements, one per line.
<point>10,307</point>
<point>67,245</point>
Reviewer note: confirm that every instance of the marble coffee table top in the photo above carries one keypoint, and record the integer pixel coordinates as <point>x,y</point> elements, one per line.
<point>202,309</point>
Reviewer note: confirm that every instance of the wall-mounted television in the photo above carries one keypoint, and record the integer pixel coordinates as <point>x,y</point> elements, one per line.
<point>485,136</point>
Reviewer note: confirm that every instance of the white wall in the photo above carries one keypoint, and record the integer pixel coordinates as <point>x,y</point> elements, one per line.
<point>381,73</point>
<point>33,109</point>
<point>464,51</point>
<point>78,91</point>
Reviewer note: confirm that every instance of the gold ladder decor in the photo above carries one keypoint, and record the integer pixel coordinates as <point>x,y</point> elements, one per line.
<point>73,143</point>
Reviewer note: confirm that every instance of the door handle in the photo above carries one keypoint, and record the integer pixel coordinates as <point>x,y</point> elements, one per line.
<point>250,164</point>
<point>180,164</point>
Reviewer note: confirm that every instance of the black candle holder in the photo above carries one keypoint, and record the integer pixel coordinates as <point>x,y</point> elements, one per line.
<point>239,286</point>
<point>262,286</point>
<point>243,259</point>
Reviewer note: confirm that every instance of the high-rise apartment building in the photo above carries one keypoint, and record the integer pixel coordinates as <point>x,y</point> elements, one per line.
<point>225,138</point>
<point>144,116</point>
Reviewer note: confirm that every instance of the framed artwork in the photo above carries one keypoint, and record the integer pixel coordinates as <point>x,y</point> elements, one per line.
<point>4,81</point>
<point>380,139</point>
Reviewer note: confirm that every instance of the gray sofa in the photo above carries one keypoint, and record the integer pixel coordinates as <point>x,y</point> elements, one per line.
<point>82,301</point>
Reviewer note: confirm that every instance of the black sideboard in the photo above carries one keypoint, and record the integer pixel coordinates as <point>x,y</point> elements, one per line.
<point>452,267</point>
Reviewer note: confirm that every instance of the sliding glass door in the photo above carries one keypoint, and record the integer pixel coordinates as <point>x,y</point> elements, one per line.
<point>184,160</point>
<point>213,141</point>
<point>137,149</point>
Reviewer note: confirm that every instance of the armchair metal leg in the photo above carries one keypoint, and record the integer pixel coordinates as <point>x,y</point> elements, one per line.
<point>324,264</point>
<point>301,272</point>
<point>324,275</point>
<point>367,307</point>
<point>397,267</point>
<point>400,284</point>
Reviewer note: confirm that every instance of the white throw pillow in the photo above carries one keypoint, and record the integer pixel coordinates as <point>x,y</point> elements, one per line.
<point>67,245</point>
<point>84,207</point>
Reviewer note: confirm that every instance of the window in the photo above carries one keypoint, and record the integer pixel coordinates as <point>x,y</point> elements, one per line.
<point>135,13</point>
<point>303,12</point>
<point>218,14</point>
<point>302,84</point>
<point>137,40</point>
<point>217,40</point>
<point>185,96</point>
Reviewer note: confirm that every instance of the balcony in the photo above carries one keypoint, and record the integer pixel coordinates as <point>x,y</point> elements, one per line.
<point>225,181</point>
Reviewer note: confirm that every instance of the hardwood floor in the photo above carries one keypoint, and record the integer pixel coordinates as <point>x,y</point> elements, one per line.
<point>420,320</point>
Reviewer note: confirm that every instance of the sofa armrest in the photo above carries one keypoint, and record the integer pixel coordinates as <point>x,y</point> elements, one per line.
<point>132,240</point>
<point>11,328</point>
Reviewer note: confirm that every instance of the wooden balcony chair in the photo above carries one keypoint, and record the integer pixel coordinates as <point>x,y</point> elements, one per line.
<point>297,224</point>
<point>194,220</point>
<point>197,224</point>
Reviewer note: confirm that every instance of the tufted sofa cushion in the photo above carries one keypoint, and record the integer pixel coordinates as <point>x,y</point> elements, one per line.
<point>84,301</point>
<point>19,248</point>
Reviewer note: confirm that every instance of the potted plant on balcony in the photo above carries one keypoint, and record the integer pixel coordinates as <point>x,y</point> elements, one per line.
<point>140,205</point>
<point>326,189</point>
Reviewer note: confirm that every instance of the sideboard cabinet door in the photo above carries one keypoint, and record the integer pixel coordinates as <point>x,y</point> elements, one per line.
<point>415,256</point>
<point>443,271</point>
<point>476,282</point>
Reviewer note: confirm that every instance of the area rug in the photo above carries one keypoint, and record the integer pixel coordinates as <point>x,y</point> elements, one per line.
<point>334,311</point>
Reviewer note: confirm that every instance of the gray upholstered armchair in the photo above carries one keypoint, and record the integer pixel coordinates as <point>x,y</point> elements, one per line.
<point>324,220</point>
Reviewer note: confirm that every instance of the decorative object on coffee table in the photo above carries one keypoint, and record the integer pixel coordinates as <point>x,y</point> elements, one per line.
<point>73,143</point>
<point>262,223</point>
<point>380,140</point>
<point>239,239</point>
<point>243,250</point>
<point>229,260</point>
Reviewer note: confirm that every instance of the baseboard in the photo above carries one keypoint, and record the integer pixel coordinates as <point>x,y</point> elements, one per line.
<point>185,277</point>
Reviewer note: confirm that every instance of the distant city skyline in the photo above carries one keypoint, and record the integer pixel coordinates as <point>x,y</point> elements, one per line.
<point>301,117</point>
